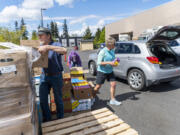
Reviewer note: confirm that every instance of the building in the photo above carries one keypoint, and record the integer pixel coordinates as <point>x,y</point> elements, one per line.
<point>86,45</point>
<point>166,14</point>
<point>70,41</point>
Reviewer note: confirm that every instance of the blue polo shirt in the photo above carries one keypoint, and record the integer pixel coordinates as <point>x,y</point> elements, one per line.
<point>105,55</point>
<point>54,61</point>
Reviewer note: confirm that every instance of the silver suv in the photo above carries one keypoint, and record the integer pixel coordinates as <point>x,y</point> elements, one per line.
<point>146,63</point>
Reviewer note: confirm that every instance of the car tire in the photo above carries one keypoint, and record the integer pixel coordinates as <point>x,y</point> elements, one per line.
<point>92,68</point>
<point>136,79</point>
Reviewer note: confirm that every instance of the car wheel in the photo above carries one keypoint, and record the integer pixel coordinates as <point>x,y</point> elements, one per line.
<point>136,79</point>
<point>92,68</point>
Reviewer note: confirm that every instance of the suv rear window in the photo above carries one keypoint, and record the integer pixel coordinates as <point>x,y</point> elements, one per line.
<point>169,34</point>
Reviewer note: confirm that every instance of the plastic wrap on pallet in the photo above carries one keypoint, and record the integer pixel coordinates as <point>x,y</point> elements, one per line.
<point>17,91</point>
<point>26,124</point>
<point>15,101</point>
<point>15,65</point>
<point>20,119</point>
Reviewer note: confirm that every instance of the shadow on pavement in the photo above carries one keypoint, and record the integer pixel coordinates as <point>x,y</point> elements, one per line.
<point>163,87</point>
<point>122,81</point>
<point>128,96</point>
<point>99,103</point>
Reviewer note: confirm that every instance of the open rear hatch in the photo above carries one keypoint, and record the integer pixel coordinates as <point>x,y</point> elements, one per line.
<point>159,46</point>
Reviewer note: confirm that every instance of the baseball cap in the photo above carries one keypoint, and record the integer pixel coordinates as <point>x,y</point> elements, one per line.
<point>43,30</point>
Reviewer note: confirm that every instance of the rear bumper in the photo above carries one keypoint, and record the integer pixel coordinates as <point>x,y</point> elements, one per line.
<point>151,82</point>
<point>158,75</point>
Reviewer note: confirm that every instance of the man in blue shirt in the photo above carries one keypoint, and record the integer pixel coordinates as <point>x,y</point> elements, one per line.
<point>51,77</point>
<point>105,64</point>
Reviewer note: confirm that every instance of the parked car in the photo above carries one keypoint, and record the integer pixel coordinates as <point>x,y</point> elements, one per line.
<point>144,63</point>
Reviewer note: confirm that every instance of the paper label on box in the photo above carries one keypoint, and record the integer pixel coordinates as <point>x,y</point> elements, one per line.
<point>7,69</point>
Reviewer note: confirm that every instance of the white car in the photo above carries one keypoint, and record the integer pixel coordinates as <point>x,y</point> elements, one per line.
<point>144,63</point>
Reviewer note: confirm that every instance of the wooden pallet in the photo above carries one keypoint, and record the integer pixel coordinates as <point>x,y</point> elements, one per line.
<point>99,122</point>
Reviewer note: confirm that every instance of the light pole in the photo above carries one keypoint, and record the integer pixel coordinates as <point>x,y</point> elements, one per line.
<point>42,16</point>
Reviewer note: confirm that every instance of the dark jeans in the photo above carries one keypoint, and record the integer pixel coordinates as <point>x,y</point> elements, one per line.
<point>46,83</point>
<point>74,64</point>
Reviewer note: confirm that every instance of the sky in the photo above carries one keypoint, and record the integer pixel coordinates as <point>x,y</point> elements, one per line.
<point>79,13</point>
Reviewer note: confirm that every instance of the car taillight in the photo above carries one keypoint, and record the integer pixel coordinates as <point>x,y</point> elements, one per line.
<point>154,60</point>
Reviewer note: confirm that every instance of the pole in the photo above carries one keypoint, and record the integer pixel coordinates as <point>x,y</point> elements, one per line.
<point>41,18</point>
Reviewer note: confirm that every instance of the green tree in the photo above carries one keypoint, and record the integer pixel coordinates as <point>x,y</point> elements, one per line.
<point>34,35</point>
<point>52,29</point>
<point>97,36</point>
<point>65,30</point>
<point>24,30</point>
<point>48,26</point>
<point>16,25</point>
<point>56,31</point>
<point>102,36</point>
<point>7,35</point>
<point>39,26</point>
<point>87,34</point>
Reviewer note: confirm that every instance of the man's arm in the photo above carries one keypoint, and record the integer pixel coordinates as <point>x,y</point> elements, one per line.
<point>58,49</point>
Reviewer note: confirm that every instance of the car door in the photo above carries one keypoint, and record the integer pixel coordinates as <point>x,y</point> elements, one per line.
<point>123,51</point>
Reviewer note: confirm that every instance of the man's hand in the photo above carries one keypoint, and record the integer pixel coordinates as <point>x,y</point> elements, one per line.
<point>43,49</point>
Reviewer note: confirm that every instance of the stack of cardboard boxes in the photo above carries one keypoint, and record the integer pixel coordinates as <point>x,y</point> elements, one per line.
<point>82,91</point>
<point>18,115</point>
<point>66,93</point>
<point>77,93</point>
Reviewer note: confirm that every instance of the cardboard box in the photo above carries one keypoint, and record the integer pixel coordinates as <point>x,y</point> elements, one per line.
<point>14,70</point>
<point>66,95</point>
<point>67,85</point>
<point>67,77</point>
<point>53,108</point>
<point>42,61</point>
<point>82,93</point>
<point>37,71</point>
<point>81,105</point>
<point>30,43</point>
<point>15,101</point>
<point>67,106</point>
<point>77,69</point>
<point>76,72</point>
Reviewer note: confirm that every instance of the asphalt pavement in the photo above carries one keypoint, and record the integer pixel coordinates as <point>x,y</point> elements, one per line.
<point>155,111</point>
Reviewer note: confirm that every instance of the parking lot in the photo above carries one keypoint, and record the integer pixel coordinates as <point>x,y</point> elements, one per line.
<point>151,112</point>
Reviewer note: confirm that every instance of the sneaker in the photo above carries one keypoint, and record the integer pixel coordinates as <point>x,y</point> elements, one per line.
<point>114,102</point>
